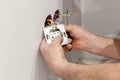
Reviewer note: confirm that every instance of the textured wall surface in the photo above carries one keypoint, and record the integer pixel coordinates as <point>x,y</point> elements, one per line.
<point>21,23</point>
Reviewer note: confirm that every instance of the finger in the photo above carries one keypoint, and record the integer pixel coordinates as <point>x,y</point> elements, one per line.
<point>65,50</point>
<point>68,47</point>
<point>57,40</point>
<point>68,28</point>
<point>69,40</point>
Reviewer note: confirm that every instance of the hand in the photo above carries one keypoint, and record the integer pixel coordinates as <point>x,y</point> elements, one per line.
<point>54,55</point>
<point>81,38</point>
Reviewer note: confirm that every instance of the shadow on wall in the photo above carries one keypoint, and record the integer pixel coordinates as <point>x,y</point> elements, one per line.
<point>101,16</point>
<point>118,33</point>
<point>40,70</point>
<point>43,71</point>
<point>76,17</point>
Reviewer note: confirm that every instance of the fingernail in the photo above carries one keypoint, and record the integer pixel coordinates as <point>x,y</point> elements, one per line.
<point>70,49</point>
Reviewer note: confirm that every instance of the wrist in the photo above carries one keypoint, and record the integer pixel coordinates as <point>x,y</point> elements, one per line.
<point>59,67</point>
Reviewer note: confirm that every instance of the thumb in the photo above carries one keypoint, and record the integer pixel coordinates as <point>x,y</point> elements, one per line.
<point>57,40</point>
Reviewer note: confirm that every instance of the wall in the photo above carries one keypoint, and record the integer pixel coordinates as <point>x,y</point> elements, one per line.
<point>101,16</point>
<point>21,23</point>
<point>71,6</point>
<point>98,16</point>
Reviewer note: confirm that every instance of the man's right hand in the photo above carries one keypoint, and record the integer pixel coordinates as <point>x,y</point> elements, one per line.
<point>81,38</point>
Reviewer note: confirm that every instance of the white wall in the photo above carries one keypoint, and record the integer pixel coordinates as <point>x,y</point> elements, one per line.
<point>21,23</point>
<point>101,17</point>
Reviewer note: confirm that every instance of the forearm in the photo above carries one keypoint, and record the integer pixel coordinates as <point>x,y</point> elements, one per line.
<point>106,47</point>
<point>112,50</point>
<point>92,72</point>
